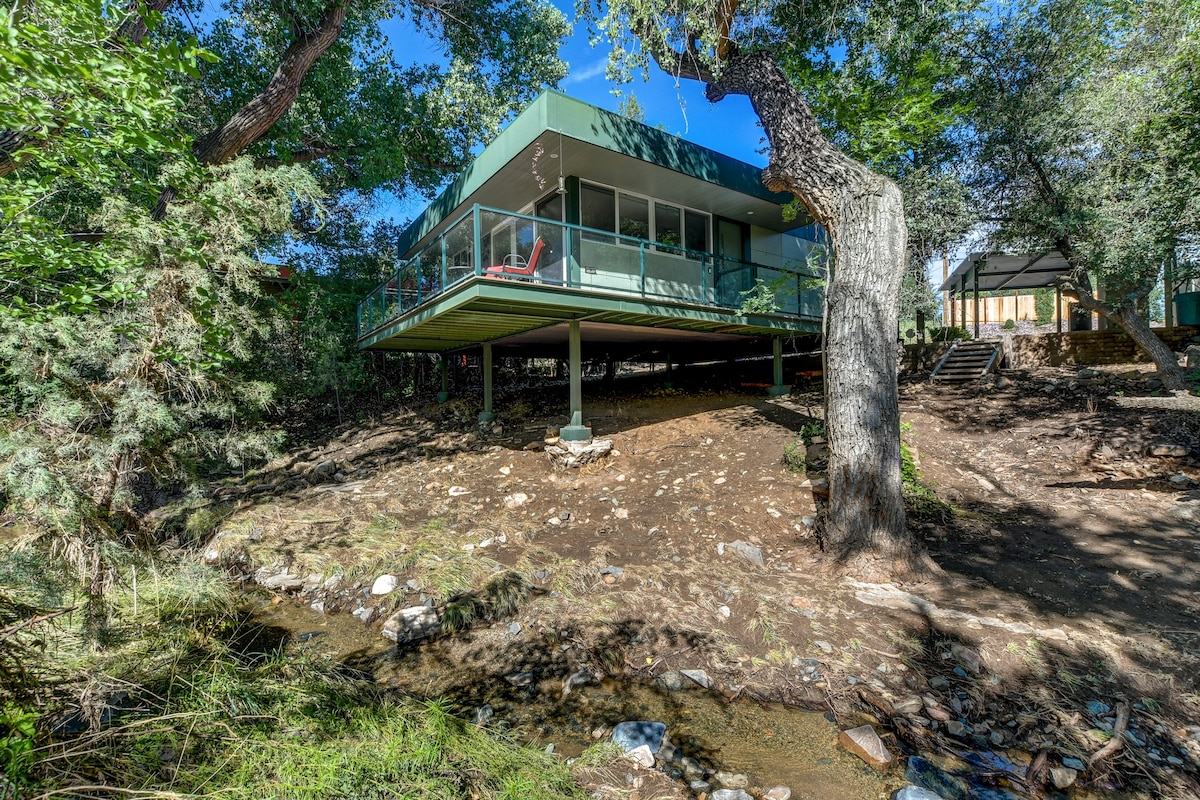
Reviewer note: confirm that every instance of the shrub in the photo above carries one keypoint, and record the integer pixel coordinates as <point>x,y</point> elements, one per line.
<point>948,334</point>
<point>793,455</point>
<point>1010,325</point>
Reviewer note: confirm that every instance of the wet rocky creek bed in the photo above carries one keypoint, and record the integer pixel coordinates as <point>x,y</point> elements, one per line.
<point>711,742</point>
<point>762,744</point>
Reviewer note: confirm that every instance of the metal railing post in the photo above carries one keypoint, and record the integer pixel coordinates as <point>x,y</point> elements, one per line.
<point>642,257</point>
<point>445,273</point>
<point>477,249</point>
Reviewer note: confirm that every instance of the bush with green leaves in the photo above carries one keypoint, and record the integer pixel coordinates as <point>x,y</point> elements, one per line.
<point>948,334</point>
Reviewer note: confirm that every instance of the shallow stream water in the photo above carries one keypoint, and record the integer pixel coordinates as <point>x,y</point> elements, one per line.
<point>771,743</point>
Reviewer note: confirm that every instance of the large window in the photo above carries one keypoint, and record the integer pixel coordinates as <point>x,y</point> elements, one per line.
<point>597,209</point>
<point>672,227</point>
<point>635,216</point>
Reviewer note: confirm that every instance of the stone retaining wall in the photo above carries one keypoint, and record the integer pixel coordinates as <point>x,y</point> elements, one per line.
<point>1111,346</point>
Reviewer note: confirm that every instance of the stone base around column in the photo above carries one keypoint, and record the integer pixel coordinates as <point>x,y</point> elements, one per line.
<point>486,416</point>
<point>778,391</point>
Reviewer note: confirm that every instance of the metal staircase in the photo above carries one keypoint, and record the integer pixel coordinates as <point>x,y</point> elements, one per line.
<point>967,361</point>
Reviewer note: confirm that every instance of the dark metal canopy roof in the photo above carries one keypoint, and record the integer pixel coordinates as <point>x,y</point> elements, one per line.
<point>1000,271</point>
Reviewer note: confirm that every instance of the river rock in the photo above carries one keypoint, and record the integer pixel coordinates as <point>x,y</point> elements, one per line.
<point>733,780</point>
<point>696,676</point>
<point>384,584</point>
<point>1063,776</point>
<point>730,794</point>
<point>630,735</point>
<point>412,623</point>
<point>927,775</point>
<point>748,551</point>
<point>284,580</point>
<point>1073,763</point>
<point>908,705</point>
<point>641,755</point>
<point>915,793</point>
<point>577,678</point>
<point>515,500</point>
<point>671,680</point>
<point>778,793</point>
<point>965,656</point>
<point>568,455</point>
<point>866,744</point>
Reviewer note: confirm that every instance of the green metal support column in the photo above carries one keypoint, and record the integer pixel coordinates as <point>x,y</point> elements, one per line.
<point>576,431</point>
<point>486,415</point>
<point>778,390</point>
<point>975,298</point>
<point>444,394</point>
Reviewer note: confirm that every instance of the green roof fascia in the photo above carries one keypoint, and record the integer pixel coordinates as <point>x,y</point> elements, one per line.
<point>555,112</point>
<point>534,306</point>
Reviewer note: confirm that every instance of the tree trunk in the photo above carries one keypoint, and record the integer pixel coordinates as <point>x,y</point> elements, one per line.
<point>863,522</point>
<point>1079,285</point>
<point>256,117</point>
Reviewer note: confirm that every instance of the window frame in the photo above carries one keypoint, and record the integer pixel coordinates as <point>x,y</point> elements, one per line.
<point>677,251</point>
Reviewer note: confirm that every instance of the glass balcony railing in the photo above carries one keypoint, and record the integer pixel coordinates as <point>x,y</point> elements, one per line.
<point>489,243</point>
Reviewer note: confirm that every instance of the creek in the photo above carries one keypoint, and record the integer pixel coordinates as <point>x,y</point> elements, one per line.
<point>773,744</point>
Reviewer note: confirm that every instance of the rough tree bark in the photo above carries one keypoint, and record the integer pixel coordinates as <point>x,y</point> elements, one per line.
<point>863,523</point>
<point>262,111</point>
<point>129,34</point>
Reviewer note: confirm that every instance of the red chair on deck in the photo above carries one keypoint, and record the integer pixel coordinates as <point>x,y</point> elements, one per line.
<point>518,265</point>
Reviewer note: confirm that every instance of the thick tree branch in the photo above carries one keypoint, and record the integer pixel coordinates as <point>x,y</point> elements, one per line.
<point>250,122</point>
<point>128,34</point>
<point>257,116</point>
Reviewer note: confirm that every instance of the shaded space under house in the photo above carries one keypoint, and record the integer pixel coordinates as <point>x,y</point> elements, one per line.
<point>580,234</point>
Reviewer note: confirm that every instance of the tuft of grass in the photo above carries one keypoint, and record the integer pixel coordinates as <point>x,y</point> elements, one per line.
<point>463,612</point>
<point>210,715</point>
<point>506,594</point>
<point>920,500</point>
<point>201,523</point>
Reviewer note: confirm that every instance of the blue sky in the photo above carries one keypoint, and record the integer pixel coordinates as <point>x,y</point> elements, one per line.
<point>729,126</point>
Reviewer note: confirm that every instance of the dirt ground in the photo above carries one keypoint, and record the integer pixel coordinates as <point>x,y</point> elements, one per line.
<point>1070,556</point>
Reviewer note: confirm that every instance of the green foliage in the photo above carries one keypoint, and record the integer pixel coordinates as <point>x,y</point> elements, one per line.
<point>919,499</point>
<point>1123,92</point>
<point>1043,305</point>
<point>948,333</point>
<point>1009,325</point>
<point>270,727</point>
<point>374,118</point>
<point>767,297</point>
<point>17,732</point>
<point>794,455</point>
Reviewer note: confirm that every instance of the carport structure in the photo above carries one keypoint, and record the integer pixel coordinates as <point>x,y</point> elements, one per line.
<point>998,272</point>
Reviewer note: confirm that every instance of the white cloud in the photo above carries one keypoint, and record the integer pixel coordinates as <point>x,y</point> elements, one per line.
<point>586,73</point>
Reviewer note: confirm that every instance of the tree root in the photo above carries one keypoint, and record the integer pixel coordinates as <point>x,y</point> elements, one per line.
<point>1117,741</point>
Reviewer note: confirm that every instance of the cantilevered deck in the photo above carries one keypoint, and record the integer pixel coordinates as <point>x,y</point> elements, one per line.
<point>444,298</point>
